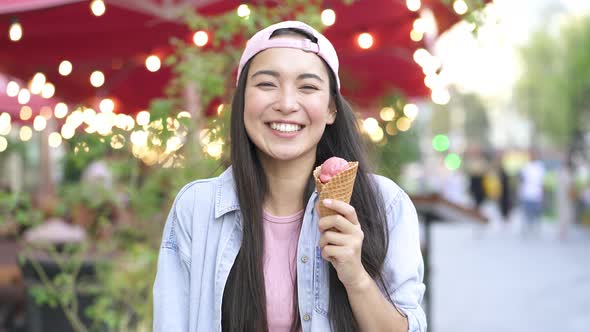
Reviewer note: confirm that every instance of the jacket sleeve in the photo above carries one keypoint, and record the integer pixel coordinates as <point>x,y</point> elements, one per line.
<point>171,286</point>
<point>404,266</point>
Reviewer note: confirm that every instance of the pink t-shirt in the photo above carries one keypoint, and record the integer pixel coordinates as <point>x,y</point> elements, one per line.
<point>281,235</point>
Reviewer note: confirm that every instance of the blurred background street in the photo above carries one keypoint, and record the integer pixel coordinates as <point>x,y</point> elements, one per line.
<point>492,278</point>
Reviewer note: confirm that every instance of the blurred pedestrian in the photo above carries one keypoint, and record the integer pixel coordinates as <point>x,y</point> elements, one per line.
<point>531,191</point>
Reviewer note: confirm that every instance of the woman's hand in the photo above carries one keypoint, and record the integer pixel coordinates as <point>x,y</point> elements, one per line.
<point>341,243</point>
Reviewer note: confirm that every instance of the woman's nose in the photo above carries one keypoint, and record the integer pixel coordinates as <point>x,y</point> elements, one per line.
<point>287,101</point>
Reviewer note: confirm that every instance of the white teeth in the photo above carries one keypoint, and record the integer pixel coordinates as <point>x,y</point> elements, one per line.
<point>285,127</point>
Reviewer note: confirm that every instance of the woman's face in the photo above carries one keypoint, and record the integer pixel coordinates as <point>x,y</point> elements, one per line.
<point>287,103</point>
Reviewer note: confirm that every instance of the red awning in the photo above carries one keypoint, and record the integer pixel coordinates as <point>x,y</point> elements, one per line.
<point>118,42</point>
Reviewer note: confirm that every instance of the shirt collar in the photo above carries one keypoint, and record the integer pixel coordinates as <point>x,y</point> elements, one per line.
<point>226,199</point>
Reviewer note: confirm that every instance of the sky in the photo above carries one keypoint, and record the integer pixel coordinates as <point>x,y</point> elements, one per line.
<point>489,65</point>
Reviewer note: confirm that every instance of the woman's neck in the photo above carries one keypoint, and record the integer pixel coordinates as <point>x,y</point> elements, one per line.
<point>287,181</point>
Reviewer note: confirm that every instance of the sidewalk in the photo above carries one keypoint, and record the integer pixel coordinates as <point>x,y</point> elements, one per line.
<point>491,278</point>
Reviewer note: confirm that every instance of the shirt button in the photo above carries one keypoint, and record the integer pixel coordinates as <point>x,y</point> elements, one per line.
<point>306,317</point>
<point>304,259</point>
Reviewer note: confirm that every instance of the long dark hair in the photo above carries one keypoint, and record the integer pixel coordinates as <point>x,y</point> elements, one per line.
<point>244,299</point>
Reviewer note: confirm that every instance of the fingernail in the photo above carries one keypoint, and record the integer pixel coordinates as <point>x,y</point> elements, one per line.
<point>327,201</point>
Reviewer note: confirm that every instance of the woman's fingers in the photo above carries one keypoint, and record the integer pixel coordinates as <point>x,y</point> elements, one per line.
<point>334,238</point>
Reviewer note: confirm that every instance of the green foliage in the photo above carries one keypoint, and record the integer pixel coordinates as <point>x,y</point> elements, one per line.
<point>395,152</point>
<point>17,209</point>
<point>554,90</point>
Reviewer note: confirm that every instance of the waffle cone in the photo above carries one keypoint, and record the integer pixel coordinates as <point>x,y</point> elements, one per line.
<point>339,187</point>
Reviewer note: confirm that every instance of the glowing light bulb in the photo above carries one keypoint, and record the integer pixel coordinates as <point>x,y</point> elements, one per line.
<point>106,105</point>
<point>3,144</point>
<point>12,89</point>
<point>200,38</point>
<point>60,111</point>
<point>243,10</point>
<point>24,96</point>
<point>25,133</point>
<point>142,118</point>
<point>15,32</point>
<point>67,131</point>
<point>54,140</point>
<point>37,83</point>
<point>98,7</point>
<point>328,17</point>
<point>460,7</point>
<point>365,40</point>
<point>39,123</point>
<point>411,111</point>
<point>153,63</point>
<point>97,78</point>
<point>413,5</point>
<point>65,68</point>
<point>48,90</point>
<point>25,113</point>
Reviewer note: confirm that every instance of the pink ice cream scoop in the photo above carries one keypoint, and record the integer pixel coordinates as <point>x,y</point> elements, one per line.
<point>331,167</point>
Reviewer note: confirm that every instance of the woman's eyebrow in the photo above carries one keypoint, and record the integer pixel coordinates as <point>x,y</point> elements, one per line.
<point>276,74</point>
<point>266,72</point>
<point>309,75</point>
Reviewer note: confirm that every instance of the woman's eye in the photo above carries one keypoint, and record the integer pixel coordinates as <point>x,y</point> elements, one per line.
<point>309,87</point>
<point>265,84</point>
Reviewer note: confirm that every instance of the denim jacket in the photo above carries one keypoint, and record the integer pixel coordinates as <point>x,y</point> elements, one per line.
<point>202,238</point>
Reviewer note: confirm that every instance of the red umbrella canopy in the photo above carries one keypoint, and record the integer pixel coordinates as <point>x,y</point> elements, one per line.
<point>118,43</point>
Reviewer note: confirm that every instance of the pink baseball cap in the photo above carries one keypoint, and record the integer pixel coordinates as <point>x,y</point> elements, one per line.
<point>261,41</point>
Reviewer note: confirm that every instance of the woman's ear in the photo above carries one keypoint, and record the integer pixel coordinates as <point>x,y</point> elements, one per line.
<point>332,113</point>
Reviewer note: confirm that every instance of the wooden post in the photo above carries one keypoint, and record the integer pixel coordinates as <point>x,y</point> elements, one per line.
<point>192,98</point>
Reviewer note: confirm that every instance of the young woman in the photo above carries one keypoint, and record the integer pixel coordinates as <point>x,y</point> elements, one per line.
<point>246,251</point>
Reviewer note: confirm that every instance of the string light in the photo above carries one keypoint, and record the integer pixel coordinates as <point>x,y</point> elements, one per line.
<point>97,78</point>
<point>24,96</point>
<point>153,63</point>
<point>460,7</point>
<point>243,10</point>
<point>413,5</point>
<point>98,7</point>
<point>377,135</point>
<point>370,125</point>
<point>387,114</point>
<point>411,111</point>
<point>183,114</point>
<point>12,89</point>
<point>67,131</point>
<point>200,38</point>
<point>60,111</point>
<point>39,123</point>
<point>3,144</point>
<point>142,118</point>
<point>421,56</point>
<point>117,141</point>
<point>328,17</point>
<point>15,32</point>
<point>65,68</point>
<point>416,36</point>
<point>403,124</point>
<point>48,90</point>
<point>5,124</point>
<point>37,83</point>
<point>25,133</point>
<point>365,40</point>
<point>54,140</point>
<point>46,112</point>
<point>25,113</point>
<point>106,105</point>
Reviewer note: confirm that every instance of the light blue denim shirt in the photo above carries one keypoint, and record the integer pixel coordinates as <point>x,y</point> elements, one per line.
<point>202,238</point>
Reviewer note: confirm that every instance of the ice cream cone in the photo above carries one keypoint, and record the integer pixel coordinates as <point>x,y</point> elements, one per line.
<point>339,187</point>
